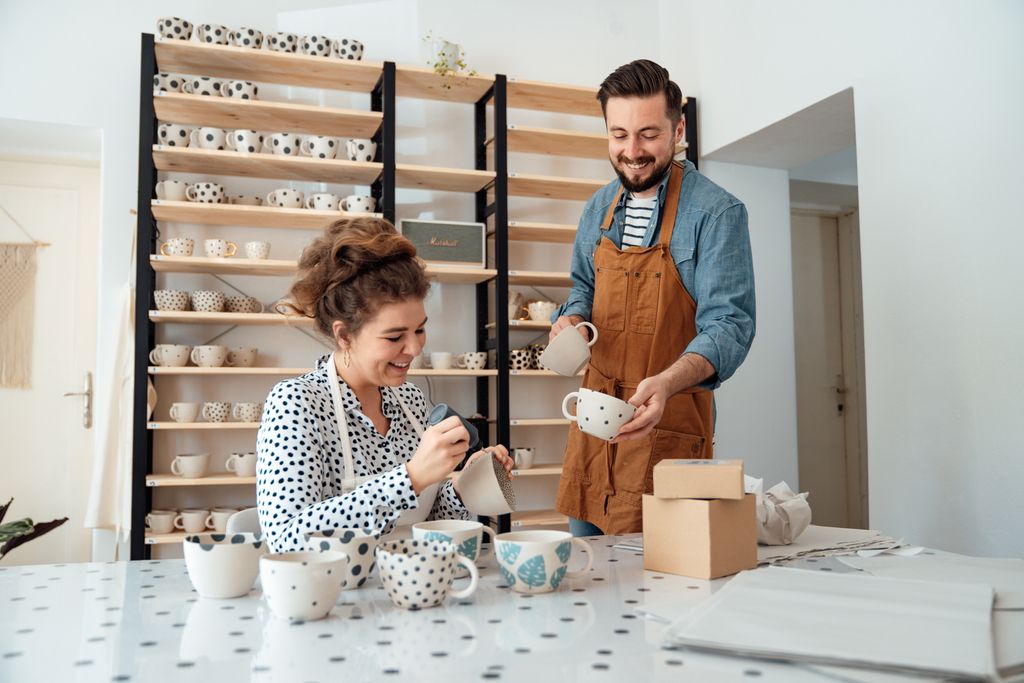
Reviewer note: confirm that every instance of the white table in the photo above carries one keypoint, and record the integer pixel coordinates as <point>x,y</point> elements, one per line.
<point>141,621</point>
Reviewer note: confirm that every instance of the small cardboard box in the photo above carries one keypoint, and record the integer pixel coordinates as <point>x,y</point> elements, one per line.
<point>703,539</point>
<point>699,479</point>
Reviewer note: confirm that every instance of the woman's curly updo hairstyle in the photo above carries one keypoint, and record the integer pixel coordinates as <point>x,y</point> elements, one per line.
<point>354,268</point>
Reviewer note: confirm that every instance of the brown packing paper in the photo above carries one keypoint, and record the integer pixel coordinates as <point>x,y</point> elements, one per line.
<point>703,539</point>
<point>699,479</point>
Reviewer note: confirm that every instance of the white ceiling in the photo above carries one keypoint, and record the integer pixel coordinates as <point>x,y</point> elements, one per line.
<point>49,141</point>
<point>823,128</point>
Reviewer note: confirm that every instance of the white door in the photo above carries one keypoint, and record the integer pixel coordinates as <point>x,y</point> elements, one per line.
<point>827,385</point>
<point>46,451</point>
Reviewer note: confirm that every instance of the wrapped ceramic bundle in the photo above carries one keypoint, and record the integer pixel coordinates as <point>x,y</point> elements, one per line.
<point>781,514</point>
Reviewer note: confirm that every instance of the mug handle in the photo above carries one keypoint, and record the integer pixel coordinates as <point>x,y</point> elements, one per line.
<point>209,522</point>
<point>234,412</point>
<point>474,578</point>
<point>343,204</point>
<point>271,197</point>
<point>159,189</point>
<point>229,142</point>
<point>232,249</point>
<point>593,330</point>
<point>179,522</point>
<point>460,360</point>
<point>481,557</point>
<point>154,359</point>
<point>204,412</point>
<point>190,194</point>
<point>590,559</point>
<point>176,470</point>
<point>306,150</point>
<point>565,405</point>
<point>228,360</point>
<point>309,202</point>
<point>262,307</point>
<point>193,139</point>
<point>194,358</point>
<point>173,413</point>
<point>232,464</point>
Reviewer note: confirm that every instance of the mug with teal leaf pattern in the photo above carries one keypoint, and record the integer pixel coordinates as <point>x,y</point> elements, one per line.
<point>465,535</point>
<point>538,561</point>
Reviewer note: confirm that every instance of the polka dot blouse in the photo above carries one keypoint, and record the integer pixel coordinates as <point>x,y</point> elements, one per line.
<point>300,466</point>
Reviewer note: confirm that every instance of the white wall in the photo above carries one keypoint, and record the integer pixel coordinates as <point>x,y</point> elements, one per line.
<point>938,148</point>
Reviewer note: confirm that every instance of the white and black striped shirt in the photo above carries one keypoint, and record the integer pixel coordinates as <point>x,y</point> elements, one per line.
<point>638,218</point>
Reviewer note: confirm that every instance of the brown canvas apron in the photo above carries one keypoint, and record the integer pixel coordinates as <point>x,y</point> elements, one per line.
<point>645,318</point>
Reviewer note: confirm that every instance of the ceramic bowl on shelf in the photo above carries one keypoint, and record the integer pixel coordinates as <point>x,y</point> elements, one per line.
<point>223,565</point>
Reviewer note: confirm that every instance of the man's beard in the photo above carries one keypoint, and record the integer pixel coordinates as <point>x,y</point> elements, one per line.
<point>646,183</point>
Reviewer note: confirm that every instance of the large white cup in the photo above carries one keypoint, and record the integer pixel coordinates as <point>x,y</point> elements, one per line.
<point>242,464</point>
<point>218,519</point>
<point>245,141</point>
<point>218,248</point>
<point>319,147</point>
<point>418,574</point>
<point>207,138</point>
<point>323,201</point>
<point>161,521</point>
<point>568,352</point>
<point>171,190</point>
<point>247,412</point>
<point>537,561</point>
<point>302,585</point>
<point>598,414</point>
<point>184,412</point>
<point>466,536</point>
<point>257,249</point>
<point>242,356</point>
<point>190,466</point>
<point>441,360</point>
<point>209,356</point>
<point>361,149</point>
<point>286,198</point>
<point>192,521</point>
<point>523,458</point>
<point>358,203</point>
<point>170,355</point>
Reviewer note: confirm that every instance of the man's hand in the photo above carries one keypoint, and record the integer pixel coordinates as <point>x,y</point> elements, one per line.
<point>564,321</point>
<point>650,399</point>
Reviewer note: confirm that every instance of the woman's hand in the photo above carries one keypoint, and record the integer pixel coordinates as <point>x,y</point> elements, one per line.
<point>441,448</point>
<point>500,454</point>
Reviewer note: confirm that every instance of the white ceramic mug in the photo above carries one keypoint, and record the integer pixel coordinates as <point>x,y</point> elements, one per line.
<point>171,300</point>
<point>471,360</point>
<point>467,536</point>
<point>173,135</point>
<point>315,46</point>
<point>178,246</point>
<point>190,466</point>
<point>281,42</point>
<point>598,414</point>
<point>171,190</point>
<point>161,521</point>
<point>568,352</point>
<point>184,412</point>
<point>441,360</point>
<point>242,304</point>
<point>203,85</point>
<point>286,198</point>
<point>216,411</point>
<point>523,458</point>
<point>242,356</point>
<point>247,411</point>
<point>205,193</point>
<point>242,464</point>
<point>358,203</point>
<point>257,249</point>
<point>174,28</point>
<point>361,149</point>
<point>170,355</point>
<point>217,248</point>
<point>209,356</point>
<point>218,519</point>
<point>208,301</point>
<point>302,586</point>
<point>360,547</point>
<point>214,34</point>
<point>541,310</point>
<point>240,90</point>
<point>192,521</point>
<point>244,141</point>
<point>418,574</point>
<point>243,36</point>
<point>319,147</point>
<point>537,561</point>
<point>348,48</point>
<point>167,82</point>
<point>208,138</point>
<point>286,144</point>
<point>323,201</point>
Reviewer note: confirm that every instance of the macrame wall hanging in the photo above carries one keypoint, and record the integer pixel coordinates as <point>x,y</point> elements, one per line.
<point>17,308</point>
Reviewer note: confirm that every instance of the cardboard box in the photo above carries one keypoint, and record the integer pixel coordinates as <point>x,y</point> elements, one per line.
<point>703,539</point>
<point>699,479</point>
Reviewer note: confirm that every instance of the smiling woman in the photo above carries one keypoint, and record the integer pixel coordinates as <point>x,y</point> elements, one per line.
<point>344,446</point>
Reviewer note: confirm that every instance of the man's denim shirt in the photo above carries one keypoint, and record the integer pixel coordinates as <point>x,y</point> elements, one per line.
<point>711,249</point>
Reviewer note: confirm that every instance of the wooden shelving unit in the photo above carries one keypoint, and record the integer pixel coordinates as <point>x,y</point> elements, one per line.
<point>217,162</point>
<point>198,318</point>
<point>551,187</point>
<point>165,539</point>
<point>202,426</point>
<point>528,231</point>
<point>263,115</point>
<point>539,471</point>
<point>551,97</point>
<point>539,278</point>
<point>249,216</point>
<point>540,422</point>
<point>425,84</point>
<point>532,518</point>
<point>190,371</point>
<point>222,479</point>
<point>447,179</point>
<point>561,143</point>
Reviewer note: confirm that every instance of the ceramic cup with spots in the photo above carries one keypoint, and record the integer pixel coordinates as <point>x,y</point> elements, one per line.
<point>319,147</point>
<point>205,193</point>
<point>244,141</point>
<point>243,304</point>
<point>302,586</point>
<point>170,355</point>
<point>191,466</point>
<point>568,352</point>
<point>471,360</point>
<point>218,519</point>
<point>173,135</point>
<point>246,200</point>
<point>174,28</point>
<point>209,356</point>
<point>208,301</point>
<point>244,36</point>
<point>247,411</point>
<point>223,565</point>
<point>598,414</point>
<point>203,85</point>
<point>240,90</point>
<point>161,521</point>
<point>315,46</point>
<point>358,203</point>
<point>523,458</point>
<point>535,351</point>
<point>286,144</point>
<point>213,34</point>
<point>170,300</point>
<point>520,359</point>
<point>356,543</point>
<point>347,48</point>
<point>178,246</point>
<point>538,561</point>
<point>168,82</point>
<point>541,310</point>
<point>466,536</point>
<point>282,42</point>
<point>257,249</point>
<point>242,464</point>
<point>361,149</point>
<point>171,190</point>
<point>208,138</point>
<point>218,248</point>
<point>216,411</point>
<point>323,201</point>
<point>242,356</point>
<point>184,412</point>
<point>286,198</point>
<point>418,574</point>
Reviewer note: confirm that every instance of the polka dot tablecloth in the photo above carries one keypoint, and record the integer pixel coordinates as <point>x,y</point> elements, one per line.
<point>141,621</point>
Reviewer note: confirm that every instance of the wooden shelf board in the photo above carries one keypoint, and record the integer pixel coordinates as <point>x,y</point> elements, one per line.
<point>446,179</point>
<point>562,99</point>
<point>249,216</point>
<point>192,317</point>
<point>220,479</point>
<point>528,231</point>
<point>539,278</point>
<point>460,274</point>
<point>427,372</point>
<point>423,83</point>
<point>225,61</point>
<point>539,471</point>
<point>563,143</point>
<point>226,371</point>
<point>226,265</point>
<point>551,187</point>
<point>530,518</point>
<point>540,422</point>
<point>161,539</point>
<point>279,166</point>
<point>525,325</point>
<point>536,373</point>
<point>202,425</point>
<point>231,114</point>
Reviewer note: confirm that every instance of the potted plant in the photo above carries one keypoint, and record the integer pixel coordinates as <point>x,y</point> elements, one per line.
<point>13,534</point>
<point>447,59</point>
